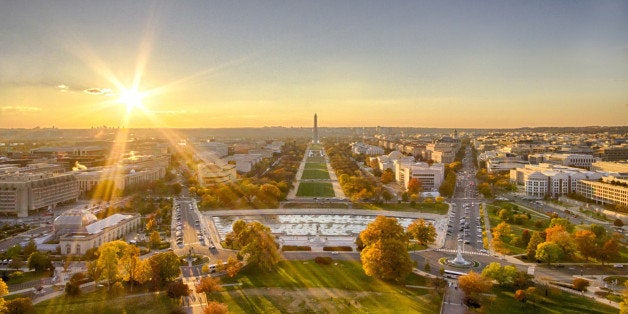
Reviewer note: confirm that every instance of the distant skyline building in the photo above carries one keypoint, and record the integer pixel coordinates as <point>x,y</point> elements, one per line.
<point>315,137</point>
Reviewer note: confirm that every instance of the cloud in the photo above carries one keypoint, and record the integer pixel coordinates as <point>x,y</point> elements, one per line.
<point>172,112</point>
<point>97,91</point>
<point>63,88</point>
<point>19,109</point>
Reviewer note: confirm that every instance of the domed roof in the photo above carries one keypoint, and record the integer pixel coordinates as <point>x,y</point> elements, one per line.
<point>74,220</point>
<point>395,155</point>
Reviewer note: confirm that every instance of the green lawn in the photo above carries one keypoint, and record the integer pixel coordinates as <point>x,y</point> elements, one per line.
<point>315,174</point>
<point>28,276</point>
<point>316,165</point>
<point>517,230</point>
<point>556,302</point>
<point>98,302</point>
<point>315,159</point>
<point>323,189</point>
<point>435,208</point>
<point>304,286</point>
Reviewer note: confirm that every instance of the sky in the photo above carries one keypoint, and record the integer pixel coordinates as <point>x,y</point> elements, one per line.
<point>465,64</point>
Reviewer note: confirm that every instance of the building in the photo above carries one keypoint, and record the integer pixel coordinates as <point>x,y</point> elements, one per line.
<point>78,230</point>
<point>219,149</point>
<point>388,161</point>
<point>122,177</point>
<point>430,176</point>
<point>210,174</point>
<point>370,150</point>
<point>569,160</point>
<point>609,190</point>
<point>619,168</point>
<point>504,164</point>
<point>21,193</point>
<point>613,153</point>
<point>550,180</point>
<point>245,162</point>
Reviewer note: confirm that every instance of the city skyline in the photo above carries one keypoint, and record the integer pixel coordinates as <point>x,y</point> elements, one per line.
<point>409,64</point>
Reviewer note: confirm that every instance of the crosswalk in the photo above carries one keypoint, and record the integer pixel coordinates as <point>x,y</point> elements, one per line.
<point>463,252</point>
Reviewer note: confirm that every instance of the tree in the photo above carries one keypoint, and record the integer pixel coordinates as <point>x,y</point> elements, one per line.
<point>108,262</point>
<point>150,224</point>
<point>520,295</point>
<point>214,307</point>
<point>383,228</point>
<point>155,239</point>
<point>164,267</point>
<point>503,275</point>
<point>39,261</point>
<point>19,306</point>
<point>536,239</point>
<point>609,251</point>
<point>502,230</point>
<point>561,237</point>
<point>208,285</point>
<point>29,248</point>
<point>386,195</point>
<point>623,306</point>
<point>548,252</point>
<point>132,269</point>
<point>233,266</point>
<point>386,259</point>
<point>256,242</point>
<point>4,290</point>
<point>618,223</point>
<point>16,263</point>
<point>580,284</point>
<point>387,176</point>
<point>178,289</point>
<point>422,232</point>
<point>474,284</point>
<point>414,186</point>
<point>586,242</point>
<point>562,222</point>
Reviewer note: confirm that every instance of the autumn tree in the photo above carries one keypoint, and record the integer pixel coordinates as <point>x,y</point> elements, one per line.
<point>559,235</point>
<point>154,239</point>
<point>609,251</point>
<point>4,290</point>
<point>19,306</point>
<point>214,307</point>
<point>385,255</point>
<point>422,232</point>
<point>414,186</point>
<point>132,268</point>
<point>387,176</point>
<point>548,252</point>
<point>108,260</point>
<point>586,242</point>
<point>502,230</point>
<point>256,243</point>
<point>177,290</point>
<point>580,284</point>
<point>623,306</point>
<point>474,284</point>
<point>233,266</point>
<point>562,222</point>
<point>520,295</point>
<point>208,285</point>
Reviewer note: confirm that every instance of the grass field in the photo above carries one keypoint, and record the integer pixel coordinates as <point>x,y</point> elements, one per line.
<point>434,208</point>
<point>316,165</point>
<point>315,174</point>
<point>516,229</point>
<point>304,286</point>
<point>556,302</point>
<point>99,302</point>
<point>316,159</point>
<point>316,189</point>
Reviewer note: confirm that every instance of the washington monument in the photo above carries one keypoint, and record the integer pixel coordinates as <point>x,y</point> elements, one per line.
<point>315,137</point>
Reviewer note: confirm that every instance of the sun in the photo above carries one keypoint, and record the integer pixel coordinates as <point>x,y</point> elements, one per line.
<point>131,98</point>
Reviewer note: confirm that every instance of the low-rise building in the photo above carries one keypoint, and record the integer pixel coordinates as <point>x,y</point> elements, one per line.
<point>210,174</point>
<point>369,150</point>
<point>24,192</point>
<point>551,180</point>
<point>430,176</point>
<point>569,160</point>
<point>608,190</point>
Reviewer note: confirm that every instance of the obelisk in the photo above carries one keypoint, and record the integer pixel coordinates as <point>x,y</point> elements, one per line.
<point>315,138</point>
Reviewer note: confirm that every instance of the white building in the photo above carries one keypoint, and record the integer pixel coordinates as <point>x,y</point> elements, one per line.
<point>553,180</point>
<point>431,177</point>
<point>122,177</point>
<point>388,161</point>
<point>245,162</point>
<point>569,160</point>
<point>220,149</point>
<point>79,230</point>
<point>210,174</point>
<point>370,150</point>
<point>610,190</point>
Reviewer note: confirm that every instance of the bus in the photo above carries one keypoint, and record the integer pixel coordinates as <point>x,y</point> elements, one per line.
<point>453,274</point>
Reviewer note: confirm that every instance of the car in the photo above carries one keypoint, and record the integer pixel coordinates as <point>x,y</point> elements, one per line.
<point>618,266</point>
<point>334,253</point>
<point>483,251</point>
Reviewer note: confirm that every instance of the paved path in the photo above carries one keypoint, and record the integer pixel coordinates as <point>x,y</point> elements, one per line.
<point>453,299</point>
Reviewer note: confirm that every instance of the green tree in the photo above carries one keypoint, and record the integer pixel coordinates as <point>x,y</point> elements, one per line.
<point>548,252</point>
<point>562,222</point>
<point>164,268</point>
<point>39,261</point>
<point>536,239</point>
<point>422,232</point>
<point>19,306</point>
<point>29,248</point>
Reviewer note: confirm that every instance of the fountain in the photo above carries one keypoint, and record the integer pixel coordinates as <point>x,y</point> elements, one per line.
<point>459,260</point>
